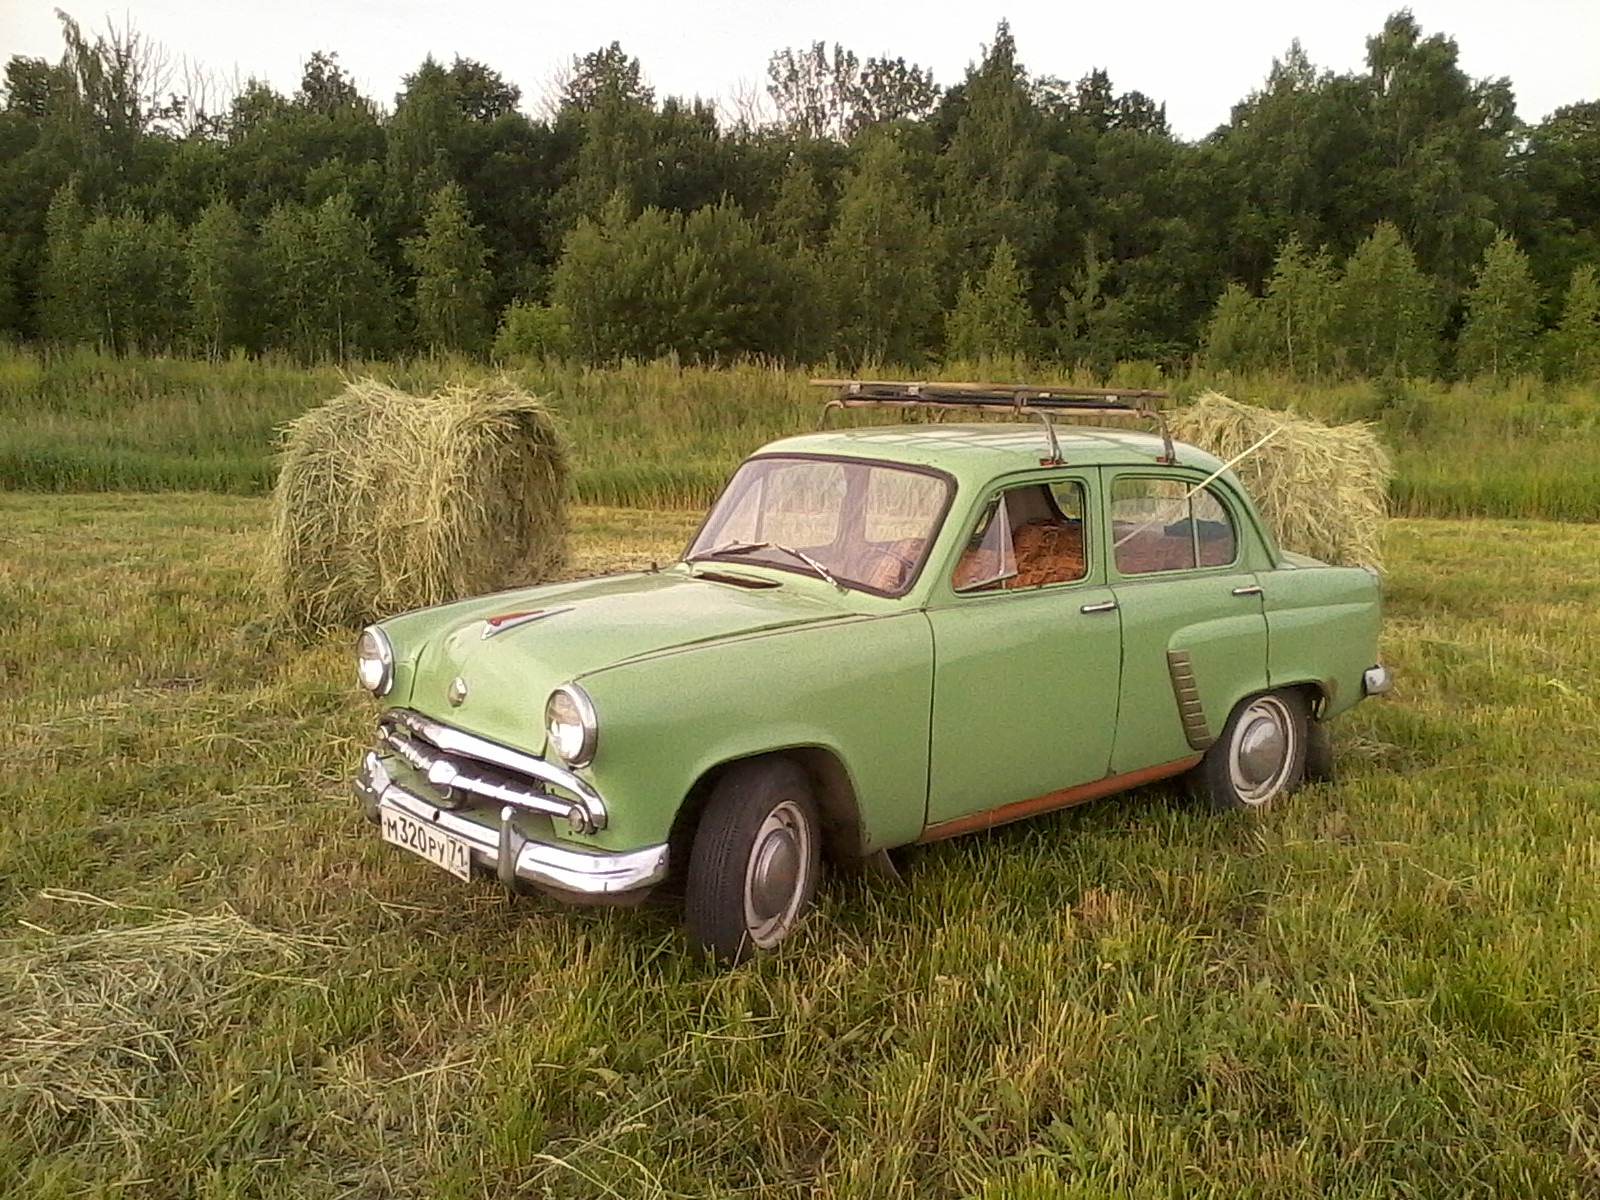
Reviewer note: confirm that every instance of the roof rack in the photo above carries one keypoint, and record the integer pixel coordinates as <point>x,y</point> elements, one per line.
<point>1042,401</point>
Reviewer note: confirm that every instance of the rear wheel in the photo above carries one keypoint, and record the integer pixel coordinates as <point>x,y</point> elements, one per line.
<point>1320,763</point>
<point>755,860</point>
<point>1260,756</point>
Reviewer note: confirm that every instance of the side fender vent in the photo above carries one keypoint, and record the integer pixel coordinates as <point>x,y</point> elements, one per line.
<point>1190,711</point>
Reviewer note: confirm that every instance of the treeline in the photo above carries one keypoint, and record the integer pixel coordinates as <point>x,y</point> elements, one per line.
<point>1382,316</point>
<point>1394,220</point>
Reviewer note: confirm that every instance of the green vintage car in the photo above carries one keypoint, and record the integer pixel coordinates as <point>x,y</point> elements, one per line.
<point>879,636</point>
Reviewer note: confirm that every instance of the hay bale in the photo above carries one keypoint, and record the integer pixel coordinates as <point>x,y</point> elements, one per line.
<point>387,502</point>
<point>1323,489</point>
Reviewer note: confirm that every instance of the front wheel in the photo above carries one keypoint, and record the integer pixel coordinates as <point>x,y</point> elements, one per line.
<point>1260,756</point>
<point>755,860</point>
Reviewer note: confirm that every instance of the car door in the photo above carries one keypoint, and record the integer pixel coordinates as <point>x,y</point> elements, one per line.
<point>1026,654</point>
<point>1194,632</point>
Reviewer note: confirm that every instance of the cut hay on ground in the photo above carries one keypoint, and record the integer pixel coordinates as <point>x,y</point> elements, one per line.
<point>90,1022</point>
<point>1323,489</point>
<point>387,502</point>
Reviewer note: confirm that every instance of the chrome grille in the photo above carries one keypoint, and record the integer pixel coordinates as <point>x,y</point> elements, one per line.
<point>460,766</point>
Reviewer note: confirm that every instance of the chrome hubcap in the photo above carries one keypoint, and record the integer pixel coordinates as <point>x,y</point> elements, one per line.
<point>1263,749</point>
<point>775,877</point>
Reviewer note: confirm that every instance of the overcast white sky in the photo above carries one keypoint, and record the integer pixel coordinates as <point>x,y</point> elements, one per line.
<point>1197,56</point>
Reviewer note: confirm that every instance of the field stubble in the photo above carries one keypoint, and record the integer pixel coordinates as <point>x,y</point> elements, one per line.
<point>1388,987</point>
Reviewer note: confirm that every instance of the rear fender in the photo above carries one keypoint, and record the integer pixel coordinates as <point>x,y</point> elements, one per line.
<point>1323,626</point>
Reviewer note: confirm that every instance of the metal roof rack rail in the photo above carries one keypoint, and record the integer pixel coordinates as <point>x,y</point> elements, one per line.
<point>1038,400</point>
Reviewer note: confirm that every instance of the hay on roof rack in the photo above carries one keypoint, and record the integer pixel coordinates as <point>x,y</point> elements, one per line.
<point>387,502</point>
<point>1323,489</point>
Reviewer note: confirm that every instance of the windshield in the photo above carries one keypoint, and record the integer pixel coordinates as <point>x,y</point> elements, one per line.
<point>857,524</point>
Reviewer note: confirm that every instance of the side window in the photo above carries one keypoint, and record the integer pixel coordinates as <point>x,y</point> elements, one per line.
<point>1157,525</point>
<point>1026,537</point>
<point>1213,531</point>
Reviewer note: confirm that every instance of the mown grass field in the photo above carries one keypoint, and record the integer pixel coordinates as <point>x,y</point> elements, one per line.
<point>1389,987</point>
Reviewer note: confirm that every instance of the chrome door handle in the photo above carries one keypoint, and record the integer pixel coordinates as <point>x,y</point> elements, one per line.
<point>1252,589</point>
<point>1104,606</point>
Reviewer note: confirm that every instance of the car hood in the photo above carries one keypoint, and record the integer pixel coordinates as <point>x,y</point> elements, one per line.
<point>510,650</point>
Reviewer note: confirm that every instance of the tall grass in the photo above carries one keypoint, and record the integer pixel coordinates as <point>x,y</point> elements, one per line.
<point>662,435</point>
<point>1521,448</point>
<point>649,433</point>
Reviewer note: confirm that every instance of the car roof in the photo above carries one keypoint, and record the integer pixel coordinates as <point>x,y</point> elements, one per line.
<point>991,449</point>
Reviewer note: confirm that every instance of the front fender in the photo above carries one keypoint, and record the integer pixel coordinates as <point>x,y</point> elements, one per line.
<point>859,688</point>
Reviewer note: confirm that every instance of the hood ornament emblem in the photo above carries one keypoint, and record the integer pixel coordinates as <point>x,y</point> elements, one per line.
<point>511,620</point>
<point>456,692</point>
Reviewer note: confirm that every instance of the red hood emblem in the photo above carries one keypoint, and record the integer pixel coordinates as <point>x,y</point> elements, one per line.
<point>510,620</point>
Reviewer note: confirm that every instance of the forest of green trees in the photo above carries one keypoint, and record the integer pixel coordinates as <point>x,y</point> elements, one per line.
<point>1399,220</point>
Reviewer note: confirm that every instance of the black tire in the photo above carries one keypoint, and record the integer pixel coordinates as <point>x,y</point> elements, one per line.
<point>1261,755</point>
<point>1321,766</point>
<point>755,860</point>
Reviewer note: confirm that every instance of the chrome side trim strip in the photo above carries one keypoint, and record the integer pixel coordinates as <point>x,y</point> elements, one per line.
<point>455,741</point>
<point>567,870</point>
<point>1195,727</point>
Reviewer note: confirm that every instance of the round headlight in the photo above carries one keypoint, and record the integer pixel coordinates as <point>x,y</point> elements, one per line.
<point>569,722</point>
<point>375,661</point>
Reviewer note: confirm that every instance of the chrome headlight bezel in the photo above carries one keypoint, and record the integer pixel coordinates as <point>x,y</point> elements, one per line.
<point>375,661</point>
<point>570,725</point>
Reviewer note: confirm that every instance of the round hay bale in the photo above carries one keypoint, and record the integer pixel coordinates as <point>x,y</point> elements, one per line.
<point>1323,489</point>
<point>387,502</point>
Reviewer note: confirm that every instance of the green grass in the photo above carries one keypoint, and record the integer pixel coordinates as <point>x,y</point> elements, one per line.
<point>657,435</point>
<point>1389,987</point>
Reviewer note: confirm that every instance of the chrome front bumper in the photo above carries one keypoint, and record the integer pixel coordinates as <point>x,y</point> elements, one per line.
<point>507,852</point>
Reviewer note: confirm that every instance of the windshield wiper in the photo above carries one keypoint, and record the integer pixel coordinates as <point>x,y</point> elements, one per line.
<point>810,562</point>
<point>727,548</point>
<point>750,547</point>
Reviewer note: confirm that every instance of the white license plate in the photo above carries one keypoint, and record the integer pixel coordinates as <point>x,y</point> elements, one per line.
<point>427,841</point>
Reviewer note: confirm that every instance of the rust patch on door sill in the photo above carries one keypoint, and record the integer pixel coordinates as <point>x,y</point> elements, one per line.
<point>1065,798</point>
